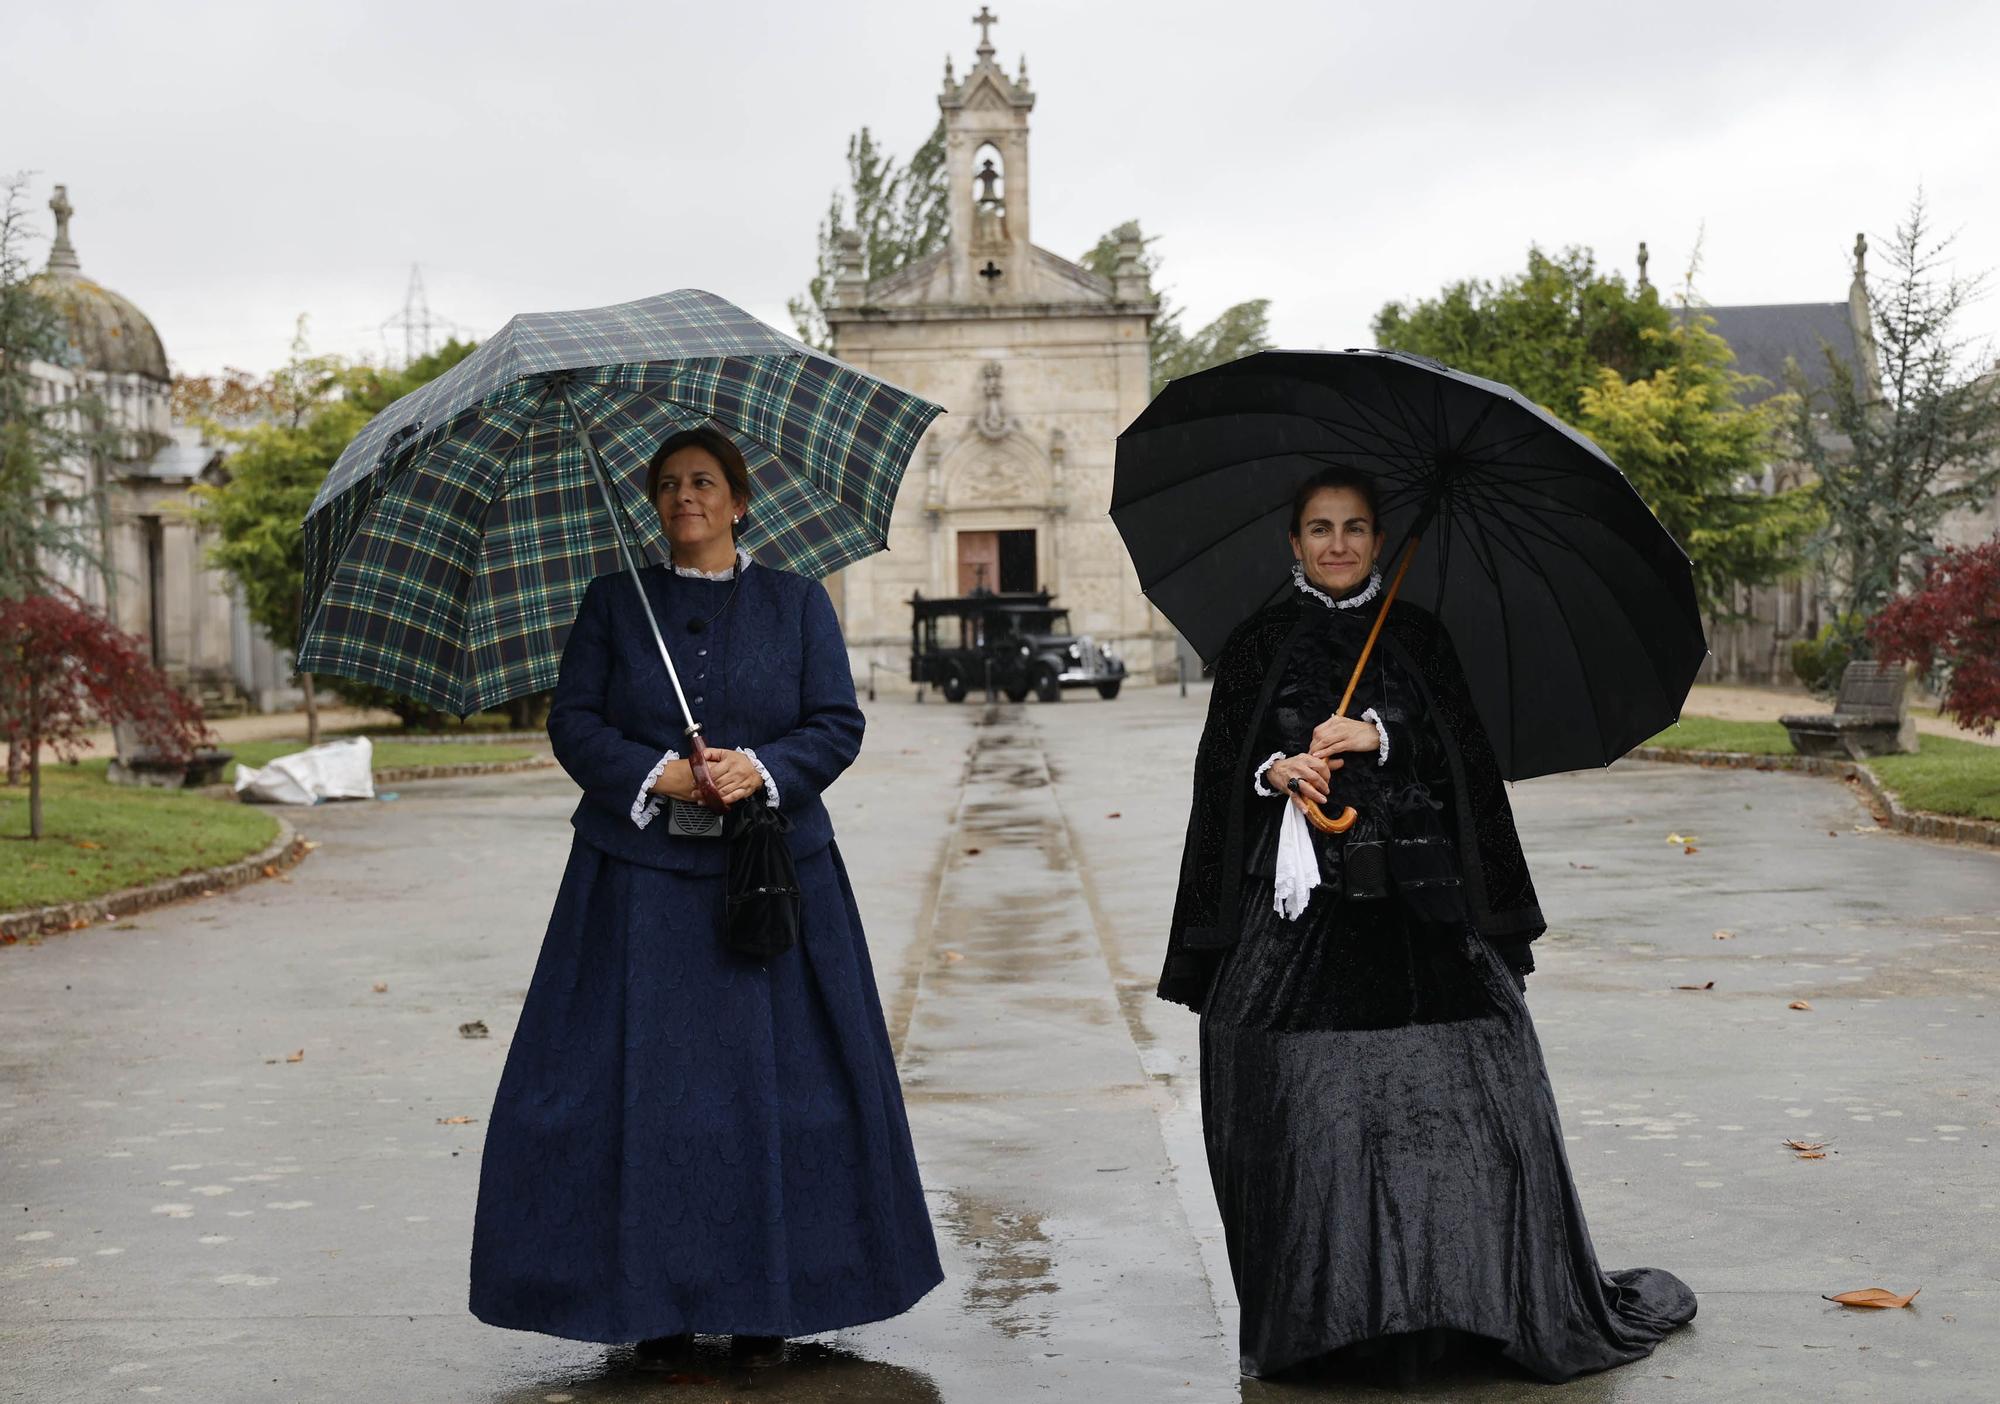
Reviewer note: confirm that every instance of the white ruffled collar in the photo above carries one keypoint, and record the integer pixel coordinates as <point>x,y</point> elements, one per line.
<point>742,563</point>
<point>1354,601</point>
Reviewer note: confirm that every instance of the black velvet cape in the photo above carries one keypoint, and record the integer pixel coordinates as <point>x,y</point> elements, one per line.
<point>1498,889</point>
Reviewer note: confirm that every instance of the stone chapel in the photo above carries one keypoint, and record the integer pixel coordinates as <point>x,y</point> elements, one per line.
<point>1040,363</point>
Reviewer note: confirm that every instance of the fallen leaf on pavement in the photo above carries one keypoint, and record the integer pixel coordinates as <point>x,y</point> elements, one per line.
<point>953,957</point>
<point>475,1029</point>
<point>1807,1145</point>
<point>456,1120</point>
<point>1584,866</point>
<point>1810,1155</point>
<point>381,987</point>
<point>1798,1004</point>
<point>1871,1297</point>
<point>296,1057</point>
<point>270,870</point>
<point>1682,838</point>
<point>1709,985</point>
<point>1725,935</point>
<point>971,851</point>
<point>1115,814</point>
<point>1690,849</point>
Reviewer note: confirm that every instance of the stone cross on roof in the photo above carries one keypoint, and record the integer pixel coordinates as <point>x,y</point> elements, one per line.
<point>62,254</point>
<point>985,19</point>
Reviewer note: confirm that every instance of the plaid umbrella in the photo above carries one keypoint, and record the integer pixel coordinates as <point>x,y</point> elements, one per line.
<point>450,546</point>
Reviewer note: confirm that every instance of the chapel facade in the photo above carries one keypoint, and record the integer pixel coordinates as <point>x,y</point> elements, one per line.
<point>1040,364</point>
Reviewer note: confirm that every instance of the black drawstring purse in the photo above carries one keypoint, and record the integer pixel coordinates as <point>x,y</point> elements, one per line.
<point>762,891</point>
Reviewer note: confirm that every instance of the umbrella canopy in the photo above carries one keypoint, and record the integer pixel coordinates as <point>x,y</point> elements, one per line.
<point>1572,609</point>
<point>451,543</point>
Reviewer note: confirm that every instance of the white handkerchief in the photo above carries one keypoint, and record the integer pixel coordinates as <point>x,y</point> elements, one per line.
<point>1298,864</point>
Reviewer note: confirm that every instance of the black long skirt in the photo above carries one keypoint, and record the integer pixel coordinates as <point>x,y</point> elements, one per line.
<point>1383,1185</point>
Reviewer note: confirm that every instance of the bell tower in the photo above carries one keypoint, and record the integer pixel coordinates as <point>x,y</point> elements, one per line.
<point>986,164</point>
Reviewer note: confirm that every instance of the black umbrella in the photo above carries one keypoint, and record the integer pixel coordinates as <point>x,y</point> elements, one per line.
<point>1572,609</point>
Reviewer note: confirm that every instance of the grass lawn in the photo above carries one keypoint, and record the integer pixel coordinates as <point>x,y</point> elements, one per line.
<point>387,755</point>
<point>99,837</point>
<point>1946,776</point>
<point>1709,734</point>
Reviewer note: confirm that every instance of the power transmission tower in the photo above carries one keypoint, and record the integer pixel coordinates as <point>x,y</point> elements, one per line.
<point>416,321</point>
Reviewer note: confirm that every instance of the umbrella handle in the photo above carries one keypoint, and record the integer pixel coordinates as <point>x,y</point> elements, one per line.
<point>1335,824</point>
<point>711,797</point>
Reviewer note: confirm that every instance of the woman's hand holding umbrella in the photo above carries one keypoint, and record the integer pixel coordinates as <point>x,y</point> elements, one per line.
<point>1338,733</point>
<point>732,773</point>
<point>1306,777</point>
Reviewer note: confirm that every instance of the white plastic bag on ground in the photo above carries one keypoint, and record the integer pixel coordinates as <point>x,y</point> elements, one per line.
<point>336,770</point>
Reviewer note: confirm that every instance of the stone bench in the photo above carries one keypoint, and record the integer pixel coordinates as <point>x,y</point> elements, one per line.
<point>140,764</point>
<point>1870,717</point>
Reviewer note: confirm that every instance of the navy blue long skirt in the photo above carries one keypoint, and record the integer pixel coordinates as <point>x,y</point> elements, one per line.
<point>685,1140</point>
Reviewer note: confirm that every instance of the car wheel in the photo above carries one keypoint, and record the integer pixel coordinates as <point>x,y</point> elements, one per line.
<point>952,684</point>
<point>1109,690</point>
<point>1047,688</point>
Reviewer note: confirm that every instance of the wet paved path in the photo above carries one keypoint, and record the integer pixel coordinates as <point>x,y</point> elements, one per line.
<point>196,1217</point>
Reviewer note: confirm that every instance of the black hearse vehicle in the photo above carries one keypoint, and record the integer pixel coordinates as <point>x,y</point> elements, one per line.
<point>1024,639</point>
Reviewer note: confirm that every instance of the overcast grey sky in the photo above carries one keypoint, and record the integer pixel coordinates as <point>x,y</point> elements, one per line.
<point>234,165</point>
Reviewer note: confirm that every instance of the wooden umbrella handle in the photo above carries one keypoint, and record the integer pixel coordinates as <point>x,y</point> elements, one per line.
<point>1340,823</point>
<point>711,797</point>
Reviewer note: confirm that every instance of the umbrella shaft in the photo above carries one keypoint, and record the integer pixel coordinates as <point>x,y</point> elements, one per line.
<point>1347,697</point>
<point>631,562</point>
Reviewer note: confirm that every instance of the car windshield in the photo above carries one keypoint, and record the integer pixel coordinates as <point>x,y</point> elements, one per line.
<point>1042,621</point>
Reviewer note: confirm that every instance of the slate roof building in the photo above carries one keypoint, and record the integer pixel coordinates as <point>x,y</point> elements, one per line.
<point>1768,338</point>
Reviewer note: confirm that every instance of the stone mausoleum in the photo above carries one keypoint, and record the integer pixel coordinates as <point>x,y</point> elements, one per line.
<point>1040,363</point>
<point>152,578</point>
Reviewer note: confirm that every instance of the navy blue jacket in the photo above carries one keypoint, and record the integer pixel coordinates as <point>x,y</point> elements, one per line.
<point>772,675</point>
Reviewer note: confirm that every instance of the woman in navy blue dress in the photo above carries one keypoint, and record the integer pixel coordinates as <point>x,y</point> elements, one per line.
<point>685,1140</point>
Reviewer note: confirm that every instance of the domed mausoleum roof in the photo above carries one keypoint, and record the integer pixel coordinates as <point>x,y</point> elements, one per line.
<point>106,332</point>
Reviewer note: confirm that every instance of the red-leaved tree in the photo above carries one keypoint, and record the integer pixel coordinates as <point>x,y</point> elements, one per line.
<point>1953,621</point>
<point>65,668</point>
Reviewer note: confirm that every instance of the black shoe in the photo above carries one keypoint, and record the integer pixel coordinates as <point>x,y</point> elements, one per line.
<point>664,1352</point>
<point>757,1350</point>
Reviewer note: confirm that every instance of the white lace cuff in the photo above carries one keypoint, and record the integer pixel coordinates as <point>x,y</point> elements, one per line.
<point>770,785</point>
<point>1381,730</point>
<point>648,805</point>
<point>1257,780</point>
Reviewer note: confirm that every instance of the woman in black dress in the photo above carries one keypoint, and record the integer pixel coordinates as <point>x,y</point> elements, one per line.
<point>1381,1132</point>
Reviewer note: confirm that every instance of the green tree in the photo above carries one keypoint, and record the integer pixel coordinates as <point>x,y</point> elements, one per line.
<point>313,406</point>
<point>1546,331</point>
<point>1656,388</point>
<point>46,518</point>
<point>902,213</point>
<point>1239,329</point>
<point>1923,442</point>
<point>1694,449</point>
